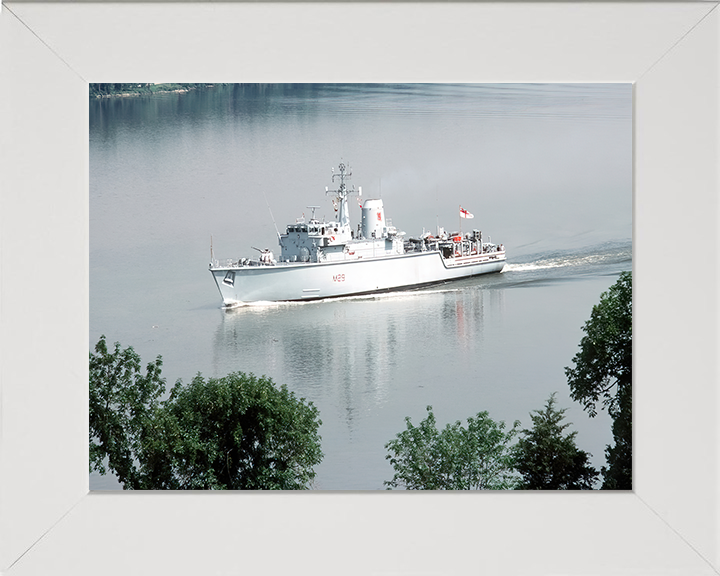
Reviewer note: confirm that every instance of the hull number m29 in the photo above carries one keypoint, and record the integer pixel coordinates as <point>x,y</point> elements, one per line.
<point>339,278</point>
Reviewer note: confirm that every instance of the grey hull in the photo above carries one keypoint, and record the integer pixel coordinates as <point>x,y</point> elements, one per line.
<point>312,281</point>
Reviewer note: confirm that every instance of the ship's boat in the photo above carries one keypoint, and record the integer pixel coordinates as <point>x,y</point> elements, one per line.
<point>320,259</point>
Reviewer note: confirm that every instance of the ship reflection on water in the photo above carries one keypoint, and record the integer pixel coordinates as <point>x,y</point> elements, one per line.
<point>364,362</point>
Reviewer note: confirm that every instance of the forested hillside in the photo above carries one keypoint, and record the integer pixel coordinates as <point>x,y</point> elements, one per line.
<point>100,90</point>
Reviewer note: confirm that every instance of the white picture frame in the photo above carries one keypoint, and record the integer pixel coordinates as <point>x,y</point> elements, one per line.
<point>50,523</point>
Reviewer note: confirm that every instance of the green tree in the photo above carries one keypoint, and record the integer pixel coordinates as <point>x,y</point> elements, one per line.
<point>236,432</point>
<point>547,458</point>
<point>476,457</point>
<point>618,473</point>
<point>123,401</point>
<point>602,375</point>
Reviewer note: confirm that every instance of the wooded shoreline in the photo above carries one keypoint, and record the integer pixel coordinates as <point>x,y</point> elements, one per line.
<point>112,90</point>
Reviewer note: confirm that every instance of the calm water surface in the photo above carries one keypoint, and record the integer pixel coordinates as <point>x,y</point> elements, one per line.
<point>545,169</point>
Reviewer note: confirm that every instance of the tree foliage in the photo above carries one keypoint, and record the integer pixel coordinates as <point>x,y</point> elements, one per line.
<point>239,432</point>
<point>123,401</point>
<point>99,90</point>
<point>618,473</point>
<point>236,432</point>
<point>547,458</point>
<point>602,375</point>
<point>476,457</point>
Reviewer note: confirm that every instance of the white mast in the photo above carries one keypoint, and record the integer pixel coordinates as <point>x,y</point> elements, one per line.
<point>342,193</point>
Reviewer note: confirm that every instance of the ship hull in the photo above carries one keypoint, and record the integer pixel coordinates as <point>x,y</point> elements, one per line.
<point>314,281</point>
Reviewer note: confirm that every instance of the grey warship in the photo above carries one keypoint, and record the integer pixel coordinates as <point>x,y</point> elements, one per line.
<point>321,259</point>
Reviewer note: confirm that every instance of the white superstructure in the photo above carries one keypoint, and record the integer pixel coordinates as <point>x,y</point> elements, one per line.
<point>320,259</point>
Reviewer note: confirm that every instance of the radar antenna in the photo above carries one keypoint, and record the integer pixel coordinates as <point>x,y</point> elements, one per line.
<point>313,208</point>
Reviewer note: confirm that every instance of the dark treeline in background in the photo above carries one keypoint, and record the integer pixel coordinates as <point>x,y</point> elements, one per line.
<point>100,90</point>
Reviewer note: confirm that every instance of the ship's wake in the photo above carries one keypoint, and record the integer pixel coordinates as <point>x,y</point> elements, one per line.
<point>609,253</point>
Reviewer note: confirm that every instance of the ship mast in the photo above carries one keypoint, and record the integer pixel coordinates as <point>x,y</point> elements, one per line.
<point>342,193</point>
